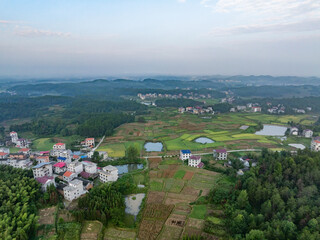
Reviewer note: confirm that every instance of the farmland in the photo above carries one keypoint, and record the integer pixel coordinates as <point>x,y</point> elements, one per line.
<point>179,131</point>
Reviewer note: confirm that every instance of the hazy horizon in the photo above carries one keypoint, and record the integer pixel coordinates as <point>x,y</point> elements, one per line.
<point>57,39</point>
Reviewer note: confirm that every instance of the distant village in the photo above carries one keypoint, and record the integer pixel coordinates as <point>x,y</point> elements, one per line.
<point>72,173</point>
<point>189,95</point>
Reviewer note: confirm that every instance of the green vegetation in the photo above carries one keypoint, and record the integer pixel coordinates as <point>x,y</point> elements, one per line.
<point>179,174</point>
<point>19,193</point>
<point>198,211</point>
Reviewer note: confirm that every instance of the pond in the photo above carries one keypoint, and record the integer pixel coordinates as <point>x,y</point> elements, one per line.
<point>204,140</point>
<point>133,203</point>
<point>153,146</point>
<point>272,130</point>
<point>297,145</point>
<point>128,168</point>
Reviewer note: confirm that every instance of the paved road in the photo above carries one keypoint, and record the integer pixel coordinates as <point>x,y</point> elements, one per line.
<point>200,154</point>
<point>96,147</point>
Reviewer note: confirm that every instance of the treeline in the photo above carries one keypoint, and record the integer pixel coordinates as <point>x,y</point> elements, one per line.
<point>106,203</point>
<point>278,199</point>
<point>19,193</point>
<point>178,103</point>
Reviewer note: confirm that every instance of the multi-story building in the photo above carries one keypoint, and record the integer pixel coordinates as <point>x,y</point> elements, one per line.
<point>108,174</point>
<point>45,182</point>
<point>42,169</point>
<point>76,167</point>
<point>60,167</point>
<point>74,190</point>
<point>59,146</point>
<point>194,161</point>
<point>88,142</point>
<point>315,144</point>
<point>14,137</point>
<point>185,154</point>
<point>307,133</point>
<point>69,176</point>
<point>90,167</point>
<point>220,154</point>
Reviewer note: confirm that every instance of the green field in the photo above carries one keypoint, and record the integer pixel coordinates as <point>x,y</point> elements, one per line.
<point>42,144</point>
<point>198,211</point>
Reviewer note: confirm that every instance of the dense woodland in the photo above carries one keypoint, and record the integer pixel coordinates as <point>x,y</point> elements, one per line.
<point>278,199</point>
<point>19,193</point>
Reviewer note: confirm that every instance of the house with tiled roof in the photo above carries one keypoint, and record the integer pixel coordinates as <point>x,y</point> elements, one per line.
<point>42,169</point>
<point>4,155</point>
<point>194,161</point>
<point>315,144</point>
<point>69,176</point>
<point>42,159</point>
<point>88,142</point>
<point>185,154</point>
<point>25,150</point>
<point>60,167</point>
<point>220,154</point>
<point>59,146</point>
<point>45,182</point>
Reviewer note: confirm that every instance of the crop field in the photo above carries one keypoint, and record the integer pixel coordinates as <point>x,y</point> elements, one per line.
<point>43,144</point>
<point>91,230</point>
<point>173,186</point>
<point>112,233</point>
<point>179,131</point>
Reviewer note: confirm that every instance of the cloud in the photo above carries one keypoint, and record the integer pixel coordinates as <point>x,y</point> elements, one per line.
<point>31,32</point>
<point>7,22</point>
<point>181,1</point>
<point>304,26</point>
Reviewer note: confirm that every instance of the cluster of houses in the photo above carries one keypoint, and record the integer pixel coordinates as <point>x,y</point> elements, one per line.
<point>250,107</point>
<point>229,100</point>
<point>315,144</point>
<point>189,95</point>
<point>70,173</point>
<point>18,142</point>
<point>295,131</point>
<point>278,109</point>
<point>196,110</point>
<point>195,160</point>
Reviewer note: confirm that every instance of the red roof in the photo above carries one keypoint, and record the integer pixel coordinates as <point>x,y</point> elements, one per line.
<point>24,150</point>
<point>59,144</point>
<point>3,154</point>
<point>89,139</point>
<point>195,157</point>
<point>75,156</point>
<point>67,174</point>
<point>60,164</point>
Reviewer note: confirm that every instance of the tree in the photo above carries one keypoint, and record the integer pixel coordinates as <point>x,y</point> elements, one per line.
<point>255,235</point>
<point>243,199</point>
<point>132,153</point>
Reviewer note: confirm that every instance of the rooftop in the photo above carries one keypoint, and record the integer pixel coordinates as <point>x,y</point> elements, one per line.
<point>185,151</point>
<point>42,164</point>
<point>67,174</point>
<point>220,150</point>
<point>60,164</point>
<point>59,144</point>
<point>44,179</point>
<point>193,157</point>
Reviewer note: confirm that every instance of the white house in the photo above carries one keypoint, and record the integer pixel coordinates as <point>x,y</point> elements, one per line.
<point>307,133</point>
<point>103,154</point>
<point>59,167</point>
<point>108,174</point>
<point>19,163</point>
<point>220,154</point>
<point>88,142</point>
<point>74,190</point>
<point>90,167</point>
<point>22,143</point>
<point>315,144</point>
<point>256,109</point>
<point>294,131</point>
<point>75,167</point>
<point>45,182</point>
<point>42,169</point>
<point>194,161</point>
<point>69,176</point>
<point>185,154</point>
<point>14,137</point>
<point>59,146</point>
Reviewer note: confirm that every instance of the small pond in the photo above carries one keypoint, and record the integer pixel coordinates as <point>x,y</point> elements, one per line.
<point>204,140</point>
<point>272,130</point>
<point>297,145</point>
<point>133,203</point>
<point>153,146</point>
<point>128,168</point>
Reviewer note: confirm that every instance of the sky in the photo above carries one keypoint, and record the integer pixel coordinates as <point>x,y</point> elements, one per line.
<point>74,38</point>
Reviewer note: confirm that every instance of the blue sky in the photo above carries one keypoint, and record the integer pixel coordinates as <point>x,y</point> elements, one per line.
<point>102,37</point>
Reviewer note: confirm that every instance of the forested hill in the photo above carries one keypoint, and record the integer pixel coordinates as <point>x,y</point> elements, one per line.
<point>278,199</point>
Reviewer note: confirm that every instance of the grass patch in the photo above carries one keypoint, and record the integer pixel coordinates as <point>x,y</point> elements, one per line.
<point>198,212</point>
<point>179,174</point>
<point>156,186</point>
<point>42,144</point>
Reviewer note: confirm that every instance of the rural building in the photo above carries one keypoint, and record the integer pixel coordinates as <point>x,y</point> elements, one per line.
<point>42,169</point>
<point>3,155</point>
<point>103,154</point>
<point>220,154</point>
<point>315,144</point>
<point>59,146</point>
<point>19,163</point>
<point>294,131</point>
<point>185,154</point>
<point>59,167</point>
<point>307,133</point>
<point>14,137</point>
<point>22,143</point>
<point>42,159</point>
<point>45,182</point>
<point>88,142</point>
<point>74,190</point>
<point>181,109</point>
<point>256,109</point>
<point>75,167</point>
<point>194,161</point>
<point>108,174</point>
<point>90,167</point>
<point>25,151</point>
<point>69,176</point>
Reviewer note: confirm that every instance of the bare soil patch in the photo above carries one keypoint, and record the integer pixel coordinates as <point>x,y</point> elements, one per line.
<point>154,162</point>
<point>188,176</point>
<point>187,190</point>
<point>155,197</point>
<point>195,223</point>
<point>46,215</point>
<point>150,229</point>
<point>176,220</point>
